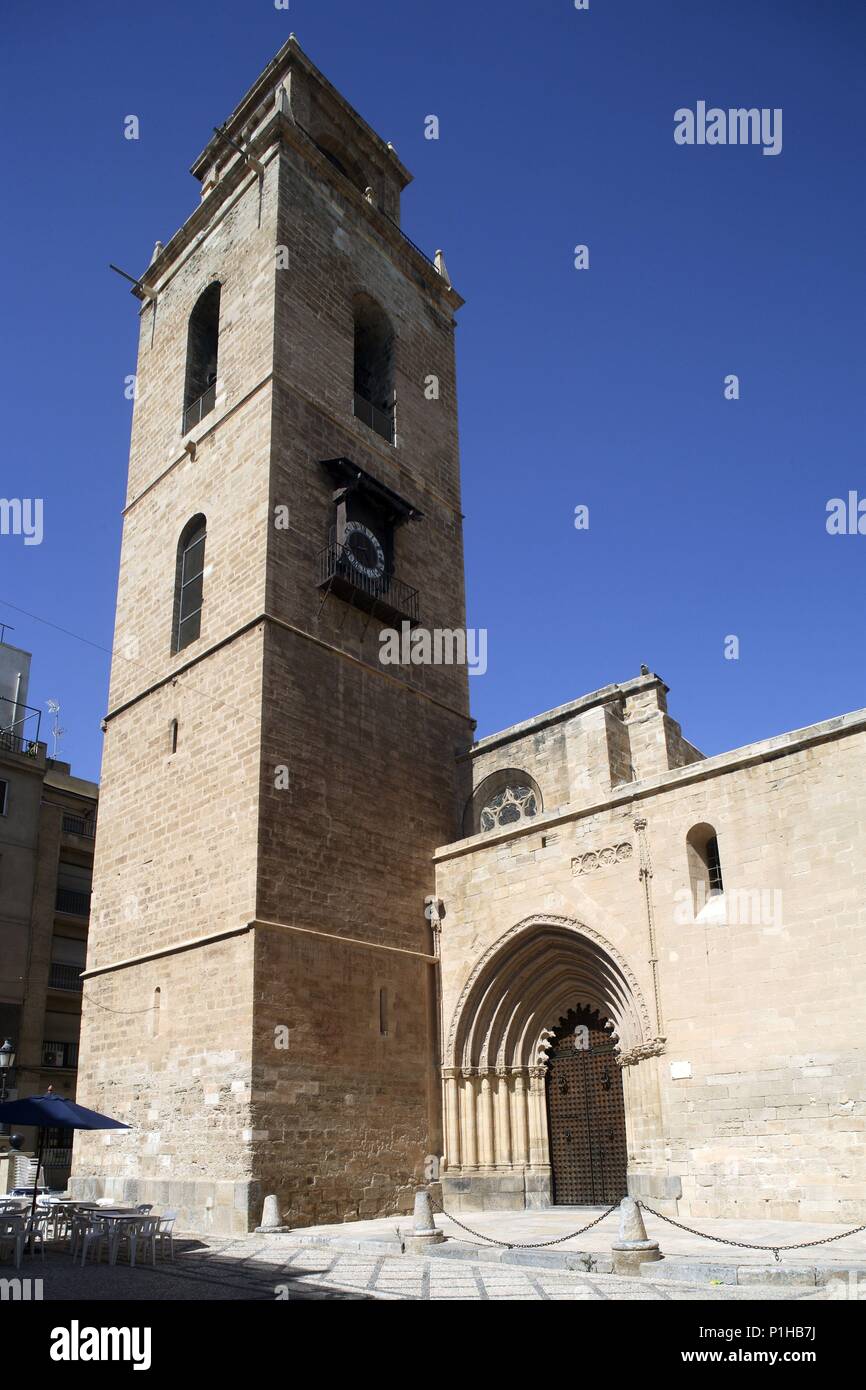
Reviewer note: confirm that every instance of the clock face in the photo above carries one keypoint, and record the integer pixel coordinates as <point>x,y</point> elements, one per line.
<point>364,551</point>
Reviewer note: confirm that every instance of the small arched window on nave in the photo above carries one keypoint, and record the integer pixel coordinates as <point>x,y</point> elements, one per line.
<point>705,865</point>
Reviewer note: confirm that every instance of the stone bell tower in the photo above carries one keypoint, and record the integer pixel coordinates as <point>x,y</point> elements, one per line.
<point>259,1001</point>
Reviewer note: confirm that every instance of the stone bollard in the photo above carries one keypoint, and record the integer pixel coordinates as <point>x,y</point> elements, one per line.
<point>424,1230</point>
<point>271,1220</point>
<point>633,1247</point>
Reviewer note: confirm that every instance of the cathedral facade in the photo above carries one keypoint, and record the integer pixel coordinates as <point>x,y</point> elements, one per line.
<point>336,945</point>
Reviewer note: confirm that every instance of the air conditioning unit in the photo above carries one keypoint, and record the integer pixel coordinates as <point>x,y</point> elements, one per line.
<point>52,1057</point>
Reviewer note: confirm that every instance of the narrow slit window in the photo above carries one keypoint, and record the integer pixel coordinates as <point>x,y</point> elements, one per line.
<point>383,1013</point>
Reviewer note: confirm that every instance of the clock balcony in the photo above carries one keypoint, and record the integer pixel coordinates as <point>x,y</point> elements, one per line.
<point>380,594</point>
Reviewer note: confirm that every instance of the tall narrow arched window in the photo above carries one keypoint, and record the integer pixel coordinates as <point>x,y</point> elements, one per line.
<point>374,367</point>
<point>202,353</point>
<point>705,865</point>
<point>189,583</point>
<point>714,866</point>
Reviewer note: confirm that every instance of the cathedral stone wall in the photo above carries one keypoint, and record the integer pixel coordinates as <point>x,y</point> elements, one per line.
<point>177,1071</point>
<point>753,1103</point>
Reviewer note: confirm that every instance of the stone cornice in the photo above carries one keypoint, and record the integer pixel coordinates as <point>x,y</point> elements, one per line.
<point>210,938</point>
<point>259,621</point>
<point>279,130</point>
<point>592,700</point>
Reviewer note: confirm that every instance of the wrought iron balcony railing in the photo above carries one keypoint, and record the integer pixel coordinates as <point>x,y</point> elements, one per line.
<point>19,728</point>
<point>384,595</point>
<point>68,900</point>
<point>79,825</point>
<point>62,976</point>
<point>382,421</point>
<point>60,1054</point>
<point>14,743</point>
<point>200,408</point>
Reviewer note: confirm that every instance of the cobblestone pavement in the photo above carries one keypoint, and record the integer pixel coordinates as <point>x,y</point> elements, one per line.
<point>254,1268</point>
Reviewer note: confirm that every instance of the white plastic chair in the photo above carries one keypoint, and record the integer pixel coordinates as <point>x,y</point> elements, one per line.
<point>165,1232</point>
<point>56,1218</point>
<point>141,1233</point>
<point>34,1228</point>
<point>94,1231</point>
<point>13,1233</point>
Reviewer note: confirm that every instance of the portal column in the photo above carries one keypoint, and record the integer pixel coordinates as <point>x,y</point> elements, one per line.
<point>521,1139</point>
<point>503,1119</point>
<point>452,1117</point>
<point>537,1119</point>
<point>488,1157</point>
<point>470,1145</point>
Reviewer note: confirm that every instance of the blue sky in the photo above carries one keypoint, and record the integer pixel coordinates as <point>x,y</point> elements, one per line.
<point>601,387</point>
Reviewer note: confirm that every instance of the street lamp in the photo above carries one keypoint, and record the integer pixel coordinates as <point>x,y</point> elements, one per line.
<point>7,1062</point>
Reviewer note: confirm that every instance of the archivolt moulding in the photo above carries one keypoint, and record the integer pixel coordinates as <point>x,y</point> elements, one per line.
<point>634,1024</point>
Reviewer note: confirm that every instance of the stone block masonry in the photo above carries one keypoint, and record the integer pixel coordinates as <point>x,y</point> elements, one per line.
<point>272,796</point>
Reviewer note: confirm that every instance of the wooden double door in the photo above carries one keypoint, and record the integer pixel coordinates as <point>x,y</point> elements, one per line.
<point>585,1114</point>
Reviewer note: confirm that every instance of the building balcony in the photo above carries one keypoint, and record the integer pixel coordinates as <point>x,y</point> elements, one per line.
<point>19,730</point>
<point>24,747</point>
<point>60,1055</point>
<point>66,977</point>
<point>74,903</point>
<point>79,825</point>
<point>384,596</point>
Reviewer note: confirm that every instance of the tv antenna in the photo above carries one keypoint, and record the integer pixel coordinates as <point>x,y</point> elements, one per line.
<point>56,731</point>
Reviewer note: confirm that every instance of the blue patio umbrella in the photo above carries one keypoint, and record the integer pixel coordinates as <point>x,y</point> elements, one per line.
<point>52,1112</point>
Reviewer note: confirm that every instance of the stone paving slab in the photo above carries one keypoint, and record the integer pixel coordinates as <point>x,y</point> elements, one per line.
<point>274,1268</point>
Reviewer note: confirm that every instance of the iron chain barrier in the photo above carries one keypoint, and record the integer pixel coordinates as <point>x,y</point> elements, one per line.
<point>520,1244</point>
<point>719,1240</point>
<point>746,1245</point>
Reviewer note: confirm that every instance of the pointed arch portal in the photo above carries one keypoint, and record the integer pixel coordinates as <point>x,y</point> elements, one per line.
<point>507,1043</point>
